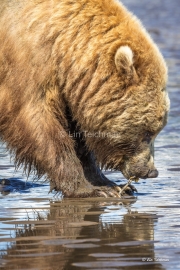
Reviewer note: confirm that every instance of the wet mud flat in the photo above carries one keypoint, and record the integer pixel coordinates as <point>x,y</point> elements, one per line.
<point>90,233</point>
<point>41,231</point>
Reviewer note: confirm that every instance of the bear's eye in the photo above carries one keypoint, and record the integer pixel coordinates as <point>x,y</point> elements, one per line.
<point>147,137</point>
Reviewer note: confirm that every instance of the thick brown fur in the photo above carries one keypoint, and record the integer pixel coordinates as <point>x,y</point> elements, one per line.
<point>66,55</point>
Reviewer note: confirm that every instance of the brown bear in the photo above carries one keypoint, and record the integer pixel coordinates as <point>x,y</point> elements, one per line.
<point>82,86</point>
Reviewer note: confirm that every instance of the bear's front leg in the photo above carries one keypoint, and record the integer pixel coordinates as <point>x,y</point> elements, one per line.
<point>66,171</point>
<point>102,185</point>
<point>96,177</point>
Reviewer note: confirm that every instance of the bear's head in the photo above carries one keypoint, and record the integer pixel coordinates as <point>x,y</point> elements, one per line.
<point>146,106</point>
<point>126,119</point>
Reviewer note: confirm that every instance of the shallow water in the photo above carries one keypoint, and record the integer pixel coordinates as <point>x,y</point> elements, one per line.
<point>40,231</point>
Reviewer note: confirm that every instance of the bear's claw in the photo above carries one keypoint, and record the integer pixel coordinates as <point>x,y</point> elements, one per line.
<point>115,191</point>
<point>107,192</point>
<point>127,189</point>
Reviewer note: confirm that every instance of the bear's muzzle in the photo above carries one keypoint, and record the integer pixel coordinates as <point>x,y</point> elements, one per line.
<point>153,174</point>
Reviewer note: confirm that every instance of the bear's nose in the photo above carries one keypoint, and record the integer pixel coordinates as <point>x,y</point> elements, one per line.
<point>153,174</point>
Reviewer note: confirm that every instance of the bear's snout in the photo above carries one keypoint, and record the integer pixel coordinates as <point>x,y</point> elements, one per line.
<point>153,174</point>
<point>140,166</point>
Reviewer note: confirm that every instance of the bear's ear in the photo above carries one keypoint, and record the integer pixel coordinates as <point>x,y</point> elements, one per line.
<point>124,60</point>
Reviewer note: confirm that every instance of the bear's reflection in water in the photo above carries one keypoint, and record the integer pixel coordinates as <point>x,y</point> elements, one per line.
<point>80,235</point>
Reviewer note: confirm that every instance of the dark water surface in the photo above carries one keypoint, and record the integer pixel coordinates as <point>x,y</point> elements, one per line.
<point>41,231</point>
